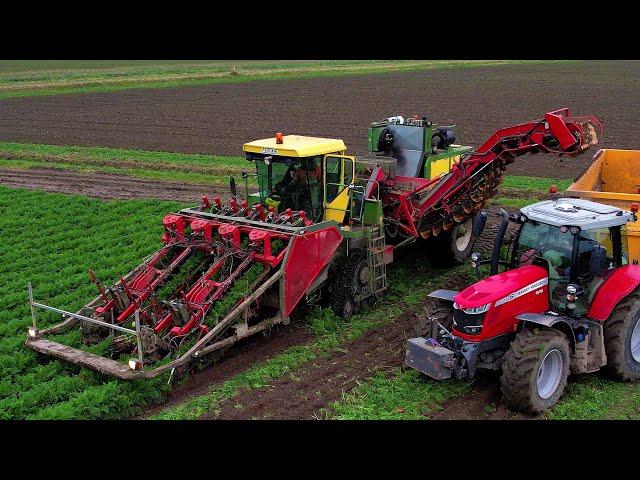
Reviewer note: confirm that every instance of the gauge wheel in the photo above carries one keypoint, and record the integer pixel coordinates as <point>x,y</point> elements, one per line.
<point>462,239</point>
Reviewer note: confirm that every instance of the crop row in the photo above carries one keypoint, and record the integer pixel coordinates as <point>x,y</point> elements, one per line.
<point>52,240</point>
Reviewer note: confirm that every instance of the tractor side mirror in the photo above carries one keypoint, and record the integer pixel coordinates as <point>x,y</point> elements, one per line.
<point>232,186</point>
<point>479,223</point>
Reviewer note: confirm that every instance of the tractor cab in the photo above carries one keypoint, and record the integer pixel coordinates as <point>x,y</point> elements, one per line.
<point>314,175</point>
<point>579,243</point>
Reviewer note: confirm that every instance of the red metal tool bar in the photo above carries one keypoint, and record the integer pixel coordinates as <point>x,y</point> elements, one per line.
<point>205,292</point>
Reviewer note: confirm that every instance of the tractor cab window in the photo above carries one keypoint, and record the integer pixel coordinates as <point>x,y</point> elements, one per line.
<point>596,256</point>
<point>554,246</point>
<point>295,183</point>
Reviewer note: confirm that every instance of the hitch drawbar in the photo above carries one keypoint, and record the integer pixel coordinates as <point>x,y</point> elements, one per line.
<point>433,360</point>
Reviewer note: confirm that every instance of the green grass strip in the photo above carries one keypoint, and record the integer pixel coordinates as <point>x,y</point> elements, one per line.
<point>595,397</point>
<point>189,168</point>
<point>71,82</point>
<point>396,395</point>
<point>535,183</point>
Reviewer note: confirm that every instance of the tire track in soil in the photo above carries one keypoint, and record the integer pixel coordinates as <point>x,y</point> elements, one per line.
<point>482,402</point>
<point>302,394</point>
<point>105,185</point>
<point>236,360</point>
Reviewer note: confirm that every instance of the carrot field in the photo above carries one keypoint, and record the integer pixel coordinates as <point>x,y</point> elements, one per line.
<point>52,240</point>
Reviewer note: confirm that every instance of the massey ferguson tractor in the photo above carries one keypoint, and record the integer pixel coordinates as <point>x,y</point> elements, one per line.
<point>321,228</point>
<point>568,300</point>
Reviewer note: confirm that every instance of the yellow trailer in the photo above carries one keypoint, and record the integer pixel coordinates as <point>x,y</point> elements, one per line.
<point>614,178</point>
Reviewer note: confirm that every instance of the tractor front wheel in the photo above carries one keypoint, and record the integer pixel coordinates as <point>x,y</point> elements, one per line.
<point>535,370</point>
<point>435,309</point>
<point>622,339</point>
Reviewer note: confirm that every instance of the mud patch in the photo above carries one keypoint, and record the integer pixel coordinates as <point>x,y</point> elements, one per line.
<point>482,402</point>
<point>236,360</point>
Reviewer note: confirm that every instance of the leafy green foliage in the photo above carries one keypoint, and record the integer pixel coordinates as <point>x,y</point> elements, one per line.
<point>396,396</point>
<point>52,240</point>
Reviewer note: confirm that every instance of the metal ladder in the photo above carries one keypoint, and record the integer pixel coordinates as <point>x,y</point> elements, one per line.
<point>376,246</point>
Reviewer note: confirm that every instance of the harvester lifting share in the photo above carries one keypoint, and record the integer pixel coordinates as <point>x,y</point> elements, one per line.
<point>341,254</point>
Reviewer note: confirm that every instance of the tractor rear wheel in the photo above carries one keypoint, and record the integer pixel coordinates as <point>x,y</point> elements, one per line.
<point>622,339</point>
<point>535,370</point>
<point>350,284</point>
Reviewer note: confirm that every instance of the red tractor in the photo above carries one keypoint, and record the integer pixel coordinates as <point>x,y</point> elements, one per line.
<point>568,301</point>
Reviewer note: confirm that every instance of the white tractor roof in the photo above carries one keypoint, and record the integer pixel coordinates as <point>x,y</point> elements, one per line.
<point>574,212</point>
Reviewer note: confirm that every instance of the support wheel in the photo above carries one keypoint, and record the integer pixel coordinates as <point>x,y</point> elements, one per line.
<point>535,370</point>
<point>454,245</point>
<point>350,286</point>
<point>462,240</point>
<point>622,339</point>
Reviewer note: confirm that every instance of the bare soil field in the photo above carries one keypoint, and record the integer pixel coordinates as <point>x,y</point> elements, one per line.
<point>103,185</point>
<point>217,119</point>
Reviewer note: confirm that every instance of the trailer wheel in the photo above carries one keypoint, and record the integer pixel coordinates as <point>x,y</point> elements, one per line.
<point>535,370</point>
<point>347,289</point>
<point>622,339</point>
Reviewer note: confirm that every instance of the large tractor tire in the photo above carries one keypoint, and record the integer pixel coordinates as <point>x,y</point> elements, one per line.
<point>440,310</point>
<point>535,370</point>
<point>622,339</point>
<point>349,285</point>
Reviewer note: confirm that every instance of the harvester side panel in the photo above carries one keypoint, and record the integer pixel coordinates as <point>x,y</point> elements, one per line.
<point>307,257</point>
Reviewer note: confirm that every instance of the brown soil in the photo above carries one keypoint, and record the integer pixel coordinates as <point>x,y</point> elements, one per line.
<point>235,360</point>
<point>217,119</point>
<point>306,393</point>
<point>105,185</point>
<point>483,402</point>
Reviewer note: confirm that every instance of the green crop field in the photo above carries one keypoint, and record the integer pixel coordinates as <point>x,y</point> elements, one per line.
<point>30,78</point>
<point>52,240</point>
<point>55,238</point>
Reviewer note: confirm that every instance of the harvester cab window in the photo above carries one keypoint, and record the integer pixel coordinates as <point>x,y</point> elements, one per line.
<point>296,183</point>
